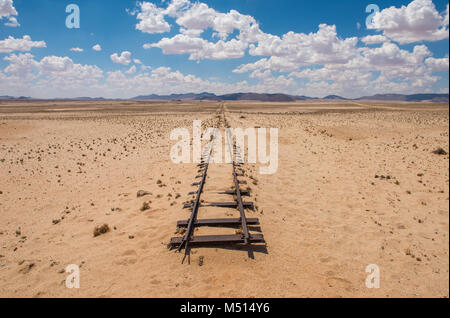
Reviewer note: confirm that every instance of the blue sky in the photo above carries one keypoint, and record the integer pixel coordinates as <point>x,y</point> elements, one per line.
<point>406,57</point>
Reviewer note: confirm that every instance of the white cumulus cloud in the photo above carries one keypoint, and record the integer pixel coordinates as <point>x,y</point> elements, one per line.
<point>418,21</point>
<point>131,70</point>
<point>318,63</point>
<point>12,22</point>
<point>193,19</point>
<point>374,39</point>
<point>12,44</point>
<point>199,48</point>
<point>124,58</point>
<point>8,11</point>
<point>57,68</point>
<point>437,65</point>
<point>151,19</point>
<point>7,8</point>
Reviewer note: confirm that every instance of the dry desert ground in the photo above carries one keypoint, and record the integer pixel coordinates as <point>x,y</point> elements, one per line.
<point>357,184</point>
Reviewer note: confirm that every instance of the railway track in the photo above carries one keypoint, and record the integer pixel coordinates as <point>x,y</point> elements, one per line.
<point>241,224</point>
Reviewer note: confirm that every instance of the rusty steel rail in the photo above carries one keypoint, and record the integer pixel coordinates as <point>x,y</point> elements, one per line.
<point>246,237</point>
<point>238,189</point>
<point>193,219</point>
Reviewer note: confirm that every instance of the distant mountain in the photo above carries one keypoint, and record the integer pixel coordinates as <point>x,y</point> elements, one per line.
<point>437,98</point>
<point>440,99</point>
<point>264,97</point>
<point>81,99</point>
<point>388,97</point>
<point>290,98</point>
<point>227,97</point>
<point>258,97</point>
<point>335,97</point>
<point>6,97</point>
<point>304,97</point>
<point>189,96</point>
<point>85,98</point>
<point>207,96</point>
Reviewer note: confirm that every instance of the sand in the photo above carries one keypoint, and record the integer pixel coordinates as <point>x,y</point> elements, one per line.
<point>67,167</point>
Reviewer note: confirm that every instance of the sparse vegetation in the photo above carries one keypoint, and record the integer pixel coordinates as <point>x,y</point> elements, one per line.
<point>440,151</point>
<point>99,230</point>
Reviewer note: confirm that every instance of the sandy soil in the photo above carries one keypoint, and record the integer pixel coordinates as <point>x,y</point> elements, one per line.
<point>67,167</point>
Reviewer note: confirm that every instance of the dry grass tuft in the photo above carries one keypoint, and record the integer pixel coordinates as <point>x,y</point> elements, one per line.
<point>99,230</point>
<point>440,152</point>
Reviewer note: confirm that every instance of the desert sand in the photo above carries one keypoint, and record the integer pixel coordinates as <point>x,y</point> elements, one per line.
<point>357,184</point>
